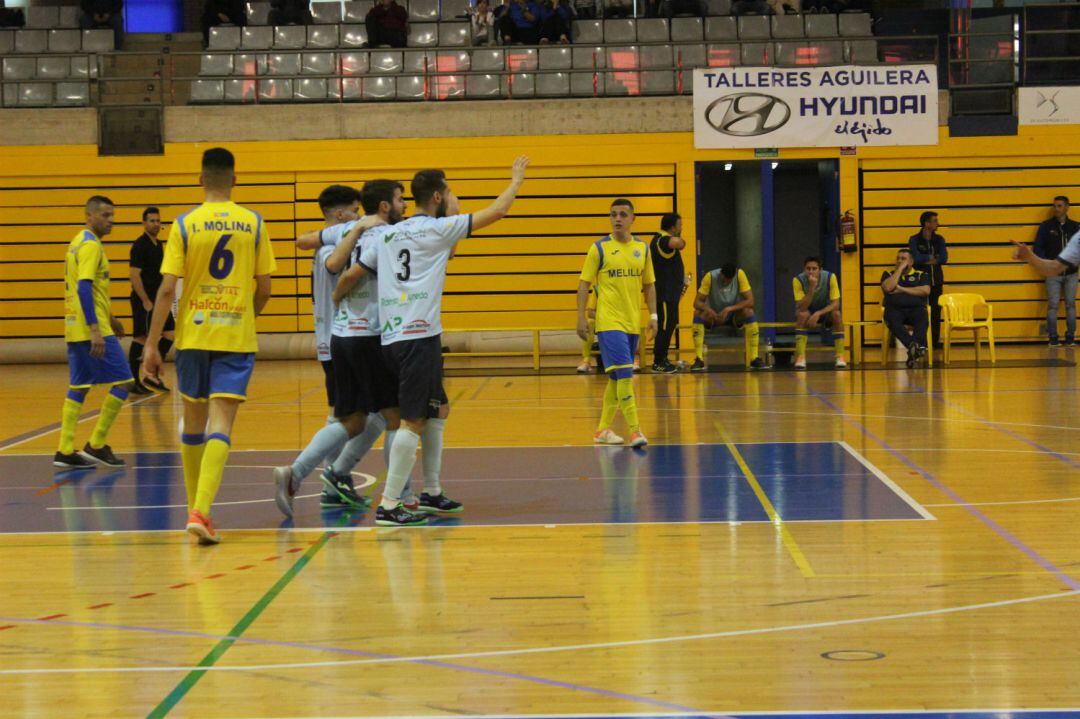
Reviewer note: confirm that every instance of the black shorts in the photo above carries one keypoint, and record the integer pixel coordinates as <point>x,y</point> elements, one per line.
<point>362,381</point>
<point>140,319</point>
<point>418,365</point>
<point>328,372</point>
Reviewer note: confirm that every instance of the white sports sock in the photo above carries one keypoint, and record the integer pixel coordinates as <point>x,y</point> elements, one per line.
<point>330,458</point>
<point>355,449</point>
<point>330,438</point>
<point>432,440</point>
<point>402,460</point>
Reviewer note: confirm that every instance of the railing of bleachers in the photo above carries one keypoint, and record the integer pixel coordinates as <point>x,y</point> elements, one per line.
<point>1050,47</point>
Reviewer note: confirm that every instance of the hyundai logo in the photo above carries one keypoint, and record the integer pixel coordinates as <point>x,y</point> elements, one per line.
<point>748,114</point>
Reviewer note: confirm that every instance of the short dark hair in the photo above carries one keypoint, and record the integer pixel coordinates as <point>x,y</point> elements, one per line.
<point>1063,199</point>
<point>728,269</point>
<point>150,211</point>
<point>905,249</point>
<point>810,259</point>
<point>375,192</point>
<point>668,221</point>
<point>218,159</point>
<point>97,201</point>
<point>926,217</point>
<point>425,184</point>
<point>624,202</point>
<point>336,196</point>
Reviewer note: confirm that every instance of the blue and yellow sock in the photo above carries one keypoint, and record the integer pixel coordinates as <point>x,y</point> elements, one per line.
<point>215,455</point>
<point>627,404</point>
<point>801,336</point>
<point>838,343</point>
<point>698,333</point>
<point>611,403</point>
<point>192,447</point>
<point>69,418</point>
<point>114,401</point>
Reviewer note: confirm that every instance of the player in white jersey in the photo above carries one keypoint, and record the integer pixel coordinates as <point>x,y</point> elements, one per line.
<point>339,205</point>
<point>410,261</point>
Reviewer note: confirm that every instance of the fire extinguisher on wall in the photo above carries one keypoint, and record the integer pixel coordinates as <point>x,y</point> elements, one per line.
<point>846,233</point>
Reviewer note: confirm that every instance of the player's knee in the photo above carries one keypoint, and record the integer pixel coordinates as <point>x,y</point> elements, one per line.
<point>415,425</point>
<point>802,317</point>
<point>444,411</point>
<point>354,423</point>
<point>838,322</point>
<point>77,394</point>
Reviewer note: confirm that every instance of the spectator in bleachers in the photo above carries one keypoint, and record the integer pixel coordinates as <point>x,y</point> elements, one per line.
<point>11,17</point>
<point>671,8</point>
<point>103,15</point>
<point>585,9</point>
<point>222,12</point>
<point>482,19</point>
<point>387,24</point>
<point>617,8</point>
<point>290,12</point>
<point>520,22</point>
<point>1050,241</point>
<point>556,17</point>
<point>824,6</point>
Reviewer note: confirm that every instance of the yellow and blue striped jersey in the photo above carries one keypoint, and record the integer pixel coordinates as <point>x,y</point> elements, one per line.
<point>218,248</point>
<point>86,260</point>
<point>619,271</point>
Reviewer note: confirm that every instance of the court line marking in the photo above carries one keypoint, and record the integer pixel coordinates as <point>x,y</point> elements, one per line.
<point>887,482</point>
<point>942,713</point>
<point>774,517</point>
<point>515,652</point>
<point>1016,501</point>
<point>49,429</point>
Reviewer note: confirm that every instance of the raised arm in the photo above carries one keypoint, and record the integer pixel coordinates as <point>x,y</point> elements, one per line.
<point>498,209</point>
<point>309,240</point>
<point>347,281</point>
<point>337,260</point>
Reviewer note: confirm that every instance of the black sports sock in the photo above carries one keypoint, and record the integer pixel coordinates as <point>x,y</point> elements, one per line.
<point>164,345</point>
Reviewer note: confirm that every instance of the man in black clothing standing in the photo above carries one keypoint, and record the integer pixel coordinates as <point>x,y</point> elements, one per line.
<point>930,253</point>
<point>670,284</point>
<point>906,290</point>
<point>1050,240</point>
<point>147,254</point>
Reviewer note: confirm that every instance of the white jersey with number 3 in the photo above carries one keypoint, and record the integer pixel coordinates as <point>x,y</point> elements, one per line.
<point>410,260</point>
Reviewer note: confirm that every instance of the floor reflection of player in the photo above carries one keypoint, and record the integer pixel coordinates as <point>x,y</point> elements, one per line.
<point>619,471</point>
<point>404,592</point>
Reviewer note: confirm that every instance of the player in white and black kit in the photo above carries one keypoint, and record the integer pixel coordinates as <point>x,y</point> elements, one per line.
<point>410,261</point>
<point>339,205</point>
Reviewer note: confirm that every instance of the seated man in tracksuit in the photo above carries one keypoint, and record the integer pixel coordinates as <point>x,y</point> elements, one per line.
<point>906,293</point>
<point>725,298</point>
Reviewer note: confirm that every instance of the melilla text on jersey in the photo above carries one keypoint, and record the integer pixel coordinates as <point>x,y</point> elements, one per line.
<point>620,272</point>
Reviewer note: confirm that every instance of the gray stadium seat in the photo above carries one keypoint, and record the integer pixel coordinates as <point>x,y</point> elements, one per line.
<point>69,17</point>
<point>416,62</point>
<point>455,34</point>
<point>353,63</point>
<point>7,42</point>
<point>423,34</point>
<point>412,87</point>
<point>41,17</point>
<point>353,36</point>
<point>310,89</point>
<point>82,67</point>
<point>249,65</point>
<point>723,55</point>
<point>240,90</point>
<point>211,64</point>
<point>687,29</point>
<point>453,61</point>
<point>289,37</point>
<point>253,38</point>
<point>379,88</point>
<point>488,60</point>
<point>356,12</point>
<point>11,94</point>
<point>655,29</point>
<point>454,9</point>
<point>862,52</point>
<point>624,57</point>
<point>719,7</point>
<point>756,53</point>
<point>753,27</point>
<point>72,94</point>
<point>826,52</point>
<point>482,85</point>
<point>521,59</point>
<point>384,62</point>
<point>34,42</point>
<point>820,25</point>
<point>423,11</point>
<point>258,13</point>
<point>657,82</point>
<point>555,58</point>
<point>587,84</point>
<point>787,26</point>
<point>448,87</point>
<point>322,36</point>
<point>275,90</point>
<point>53,68</point>
<point>207,91</point>
<point>587,58</point>
<point>349,88</point>
<point>283,63</point>
<point>689,57</point>
<point>855,24</point>
<point>518,85</point>
<point>65,41</point>
<point>651,56</point>
<point>619,31</point>
<point>326,13</point>
<point>19,68</point>
<point>721,28</point>
<point>792,52</point>
<point>552,84</point>
<point>35,94</point>
<point>625,82</point>
<point>317,63</point>
<point>589,32</point>
<point>222,37</point>
<point>98,40</point>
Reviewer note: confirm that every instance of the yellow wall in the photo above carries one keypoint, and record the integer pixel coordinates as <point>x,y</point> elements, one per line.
<point>523,271</point>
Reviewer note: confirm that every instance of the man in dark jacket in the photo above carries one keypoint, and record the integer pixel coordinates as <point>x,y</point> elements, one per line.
<point>103,15</point>
<point>387,24</point>
<point>222,12</point>
<point>1050,240</point>
<point>930,253</point>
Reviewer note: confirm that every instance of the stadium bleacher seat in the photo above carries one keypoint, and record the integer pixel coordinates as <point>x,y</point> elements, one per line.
<point>753,27</point>
<point>521,58</point>
<point>423,34</point>
<point>356,11</point>
<point>453,9</point>
<point>33,41</point>
<point>689,57</point>
<point>258,13</point>
<point>518,84</point>
<point>19,68</point>
<point>825,52</point>
<point>862,52</point>
<point>7,42</point>
<point>415,62</point>
<point>53,68</point>
<point>322,36</point>
<point>587,84</point>
<point>249,65</point>
<point>554,58</point>
<point>379,88</point>
<point>290,37</point>
<point>259,37</point>
<point>384,62</point>
<point>820,25</point>
<point>657,82</point>
<point>72,94</point>
<point>482,86</point>
<point>34,94</point>
<point>687,29</point>
<point>552,84</point>
<point>455,34</point>
<point>655,29</point>
<point>283,63</point>
<point>488,60</point>
<point>240,90</point>
<point>723,55</point>
<point>787,26</point>
<point>622,30</point>
<point>721,28</point>
<point>347,89</point>
<point>588,32</point>
<point>81,67</point>
<point>353,36</point>
<point>222,37</point>
<point>215,64</point>
<point>211,91</point>
<point>41,17</point>
<point>854,24</point>
<point>310,89</point>
<point>412,87</point>
<point>756,53</point>
<point>275,90</point>
<point>326,13</point>
<point>353,63</point>
<point>655,56</point>
<point>423,11</point>
<point>318,63</point>
<point>69,17</point>
<point>65,41</point>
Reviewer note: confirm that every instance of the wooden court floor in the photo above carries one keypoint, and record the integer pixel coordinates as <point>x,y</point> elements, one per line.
<point>860,541</point>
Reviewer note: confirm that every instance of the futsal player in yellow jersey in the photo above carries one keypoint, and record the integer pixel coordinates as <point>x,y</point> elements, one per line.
<point>223,252</point>
<point>726,298</point>
<point>621,269</point>
<point>817,303</point>
<point>90,330</point>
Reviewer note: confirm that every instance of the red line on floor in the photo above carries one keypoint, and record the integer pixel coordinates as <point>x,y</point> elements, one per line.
<point>270,559</point>
<point>294,550</point>
<point>245,566</point>
<point>180,585</point>
<point>51,616</point>
<point>140,596</point>
<point>100,606</point>
<point>215,576</point>
<point>52,488</point>
<point>9,626</point>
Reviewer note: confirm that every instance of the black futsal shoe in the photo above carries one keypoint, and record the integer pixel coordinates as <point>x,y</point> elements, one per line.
<point>72,461</point>
<point>102,455</point>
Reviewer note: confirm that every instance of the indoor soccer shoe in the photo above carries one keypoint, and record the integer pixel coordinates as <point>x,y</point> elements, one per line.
<point>800,362</point>
<point>341,486</point>
<point>283,490</point>
<point>72,461</point>
<point>102,455</point>
<point>398,517</point>
<point>584,368</point>
<point>664,367</point>
<point>698,366</point>
<point>758,363</point>
<point>637,439</point>
<point>606,436</point>
<point>199,525</point>
<point>439,504</point>
<point>155,384</point>
<point>840,363</point>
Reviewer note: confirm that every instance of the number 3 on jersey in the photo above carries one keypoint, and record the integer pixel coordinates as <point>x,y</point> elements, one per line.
<point>404,257</point>
<point>221,261</point>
